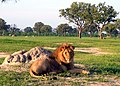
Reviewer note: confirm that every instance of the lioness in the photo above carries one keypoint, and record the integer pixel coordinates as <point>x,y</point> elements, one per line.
<point>62,59</point>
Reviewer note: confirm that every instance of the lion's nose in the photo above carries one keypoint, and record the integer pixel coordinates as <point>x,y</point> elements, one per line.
<point>68,61</point>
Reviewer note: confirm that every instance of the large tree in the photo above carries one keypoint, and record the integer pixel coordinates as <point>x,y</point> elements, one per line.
<point>37,27</point>
<point>104,15</point>
<point>2,26</point>
<point>77,14</point>
<point>83,14</point>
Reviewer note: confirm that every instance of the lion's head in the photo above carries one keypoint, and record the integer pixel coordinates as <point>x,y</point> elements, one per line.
<point>65,53</point>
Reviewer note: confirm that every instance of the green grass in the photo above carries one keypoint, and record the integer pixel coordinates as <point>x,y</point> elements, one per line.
<point>101,64</point>
<point>97,64</point>
<point>11,44</point>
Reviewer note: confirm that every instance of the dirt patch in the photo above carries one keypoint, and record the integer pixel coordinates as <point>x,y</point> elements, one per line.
<point>3,54</point>
<point>17,68</point>
<point>94,51</point>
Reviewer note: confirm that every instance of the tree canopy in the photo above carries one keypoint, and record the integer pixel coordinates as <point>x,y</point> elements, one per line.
<point>46,29</point>
<point>28,29</point>
<point>2,26</point>
<point>76,14</point>
<point>82,14</point>
<point>62,29</point>
<point>37,27</point>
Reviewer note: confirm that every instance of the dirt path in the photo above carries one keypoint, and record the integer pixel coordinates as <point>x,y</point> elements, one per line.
<point>95,51</point>
<point>3,54</point>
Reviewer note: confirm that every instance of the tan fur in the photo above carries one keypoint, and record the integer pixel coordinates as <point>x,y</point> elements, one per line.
<point>60,60</point>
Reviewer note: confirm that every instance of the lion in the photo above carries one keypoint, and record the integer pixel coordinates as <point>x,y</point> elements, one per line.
<point>61,60</point>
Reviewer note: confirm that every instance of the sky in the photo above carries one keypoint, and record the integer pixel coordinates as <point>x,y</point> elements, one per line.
<point>25,13</point>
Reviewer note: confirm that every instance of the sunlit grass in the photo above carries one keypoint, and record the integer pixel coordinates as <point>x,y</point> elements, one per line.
<point>108,64</point>
<point>11,44</point>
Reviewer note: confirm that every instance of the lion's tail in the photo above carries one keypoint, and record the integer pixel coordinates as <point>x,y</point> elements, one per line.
<point>35,76</point>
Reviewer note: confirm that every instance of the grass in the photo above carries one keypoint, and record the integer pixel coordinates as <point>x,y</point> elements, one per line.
<point>101,64</point>
<point>98,64</point>
<point>11,44</point>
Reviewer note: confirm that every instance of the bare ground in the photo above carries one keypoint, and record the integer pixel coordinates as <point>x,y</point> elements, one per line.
<point>94,51</point>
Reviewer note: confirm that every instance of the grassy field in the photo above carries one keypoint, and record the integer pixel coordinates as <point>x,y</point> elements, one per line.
<point>100,65</point>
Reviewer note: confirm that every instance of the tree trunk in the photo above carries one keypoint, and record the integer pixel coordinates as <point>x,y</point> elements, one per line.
<point>100,33</point>
<point>64,34</point>
<point>91,34</point>
<point>79,32</point>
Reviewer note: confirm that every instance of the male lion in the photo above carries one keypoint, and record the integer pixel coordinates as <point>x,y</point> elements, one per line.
<point>62,59</point>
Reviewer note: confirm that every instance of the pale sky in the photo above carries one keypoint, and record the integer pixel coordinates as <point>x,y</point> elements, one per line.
<point>25,13</point>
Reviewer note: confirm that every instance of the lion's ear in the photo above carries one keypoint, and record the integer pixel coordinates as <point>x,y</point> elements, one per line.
<point>62,48</point>
<point>72,47</point>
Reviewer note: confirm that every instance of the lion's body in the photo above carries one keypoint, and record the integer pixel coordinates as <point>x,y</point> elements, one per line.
<point>62,59</point>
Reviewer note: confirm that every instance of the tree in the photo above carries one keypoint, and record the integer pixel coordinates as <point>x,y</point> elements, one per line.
<point>90,29</point>
<point>2,26</point>
<point>77,13</point>
<point>28,30</point>
<point>117,23</point>
<point>37,27</point>
<point>13,29</point>
<point>63,28</point>
<point>90,25</point>
<point>109,28</point>
<point>46,29</point>
<point>104,16</point>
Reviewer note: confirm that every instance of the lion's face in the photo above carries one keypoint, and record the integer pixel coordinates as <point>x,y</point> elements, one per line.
<point>66,53</point>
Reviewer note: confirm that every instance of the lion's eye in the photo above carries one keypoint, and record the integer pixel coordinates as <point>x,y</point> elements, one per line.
<point>65,52</point>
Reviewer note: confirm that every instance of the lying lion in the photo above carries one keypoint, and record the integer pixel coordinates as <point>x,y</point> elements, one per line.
<point>62,59</point>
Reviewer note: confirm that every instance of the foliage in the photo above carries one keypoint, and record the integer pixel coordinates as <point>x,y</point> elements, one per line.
<point>37,27</point>
<point>76,14</point>
<point>82,14</point>
<point>13,30</point>
<point>62,29</point>
<point>2,26</point>
<point>28,29</point>
<point>104,16</point>
<point>109,28</point>
<point>46,29</point>
<point>117,23</point>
